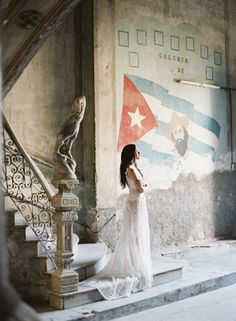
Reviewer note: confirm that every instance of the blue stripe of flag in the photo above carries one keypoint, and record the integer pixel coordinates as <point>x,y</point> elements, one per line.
<point>196,145</point>
<point>156,156</point>
<point>176,104</point>
<point>153,155</point>
<point>200,148</point>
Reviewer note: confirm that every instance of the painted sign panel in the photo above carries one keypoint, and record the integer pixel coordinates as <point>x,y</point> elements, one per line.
<point>168,102</point>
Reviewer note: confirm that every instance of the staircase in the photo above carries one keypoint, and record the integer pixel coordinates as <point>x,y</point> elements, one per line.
<point>32,237</point>
<point>27,265</point>
<point>31,264</point>
<point>164,271</point>
<point>206,267</point>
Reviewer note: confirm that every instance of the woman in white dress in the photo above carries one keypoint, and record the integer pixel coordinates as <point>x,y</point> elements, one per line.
<point>130,267</point>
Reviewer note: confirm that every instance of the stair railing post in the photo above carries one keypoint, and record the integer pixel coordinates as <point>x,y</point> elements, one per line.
<point>64,280</point>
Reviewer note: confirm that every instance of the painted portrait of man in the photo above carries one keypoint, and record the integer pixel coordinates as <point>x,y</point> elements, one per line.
<point>177,131</point>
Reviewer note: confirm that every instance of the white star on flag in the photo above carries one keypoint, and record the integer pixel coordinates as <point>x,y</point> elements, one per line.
<point>136,118</point>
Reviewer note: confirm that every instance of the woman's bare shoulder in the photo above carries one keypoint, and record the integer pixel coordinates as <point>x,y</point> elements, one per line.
<point>131,172</point>
<point>132,167</point>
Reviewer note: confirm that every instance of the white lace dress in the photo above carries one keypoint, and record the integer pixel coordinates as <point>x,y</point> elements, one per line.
<point>130,267</point>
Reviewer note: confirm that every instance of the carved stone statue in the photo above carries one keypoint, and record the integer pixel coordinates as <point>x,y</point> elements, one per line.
<point>63,162</point>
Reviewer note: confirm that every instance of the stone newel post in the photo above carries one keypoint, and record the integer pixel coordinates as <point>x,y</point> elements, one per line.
<point>64,280</point>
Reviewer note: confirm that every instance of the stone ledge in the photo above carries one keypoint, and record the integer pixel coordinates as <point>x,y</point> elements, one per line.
<point>89,295</point>
<point>161,299</point>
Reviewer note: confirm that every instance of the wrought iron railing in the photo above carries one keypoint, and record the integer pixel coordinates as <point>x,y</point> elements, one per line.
<point>24,183</point>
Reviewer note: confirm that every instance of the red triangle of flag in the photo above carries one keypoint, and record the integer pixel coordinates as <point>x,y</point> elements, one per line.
<point>137,118</point>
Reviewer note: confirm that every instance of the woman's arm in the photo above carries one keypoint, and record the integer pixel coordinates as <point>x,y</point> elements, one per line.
<point>138,183</point>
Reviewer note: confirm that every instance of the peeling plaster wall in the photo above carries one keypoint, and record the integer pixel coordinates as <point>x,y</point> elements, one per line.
<point>42,97</point>
<point>193,210</point>
<point>183,207</point>
<point>105,116</point>
<point>196,201</point>
<point>231,47</point>
<point>85,143</point>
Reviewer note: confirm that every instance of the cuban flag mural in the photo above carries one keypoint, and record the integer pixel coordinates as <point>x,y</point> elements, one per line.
<point>179,128</point>
<point>173,136</point>
<point>137,117</point>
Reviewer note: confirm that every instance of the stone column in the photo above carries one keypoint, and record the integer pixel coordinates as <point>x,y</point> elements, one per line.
<point>64,281</point>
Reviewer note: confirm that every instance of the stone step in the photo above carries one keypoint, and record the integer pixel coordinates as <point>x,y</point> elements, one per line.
<point>150,299</point>
<point>49,245</point>
<point>30,248</point>
<point>200,248</point>
<point>14,218</point>
<point>10,217</point>
<point>201,273</point>
<point>47,263</point>
<point>164,271</point>
<point>19,219</point>
<point>90,259</point>
<point>39,247</point>
<point>17,233</point>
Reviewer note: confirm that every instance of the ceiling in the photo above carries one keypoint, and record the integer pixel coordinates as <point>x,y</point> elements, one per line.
<point>26,25</point>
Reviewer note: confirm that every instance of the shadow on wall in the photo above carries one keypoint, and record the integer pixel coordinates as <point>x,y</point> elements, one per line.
<point>224,204</point>
<point>193,210</point>
<point>223,182</point>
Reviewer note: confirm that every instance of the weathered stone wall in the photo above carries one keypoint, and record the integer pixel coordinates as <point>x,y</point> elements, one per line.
<point>184,207</point>
<point>190,210</point>
<point>193,210</point>
<point>85,143</point>
<point>105,116</point>
<point>41,99</point>
<point>195,204</point>
<point>231,49</point>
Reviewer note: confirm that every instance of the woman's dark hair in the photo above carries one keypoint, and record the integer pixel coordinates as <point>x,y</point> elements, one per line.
<point>127,156</point>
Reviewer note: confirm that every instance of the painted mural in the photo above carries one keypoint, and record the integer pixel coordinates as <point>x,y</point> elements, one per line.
<point>169,99</point>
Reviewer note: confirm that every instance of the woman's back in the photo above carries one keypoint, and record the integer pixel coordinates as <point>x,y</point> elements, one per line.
<point>130,182</point>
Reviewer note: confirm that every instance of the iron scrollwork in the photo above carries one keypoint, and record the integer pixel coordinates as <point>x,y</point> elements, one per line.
<point>28,194</point>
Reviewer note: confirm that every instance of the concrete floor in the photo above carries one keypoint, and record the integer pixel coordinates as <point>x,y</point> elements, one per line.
<point>207,266</point>
<point>218,305</point>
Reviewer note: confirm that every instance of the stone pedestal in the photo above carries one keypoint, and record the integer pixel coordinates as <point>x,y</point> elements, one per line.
<point>64,281</point>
